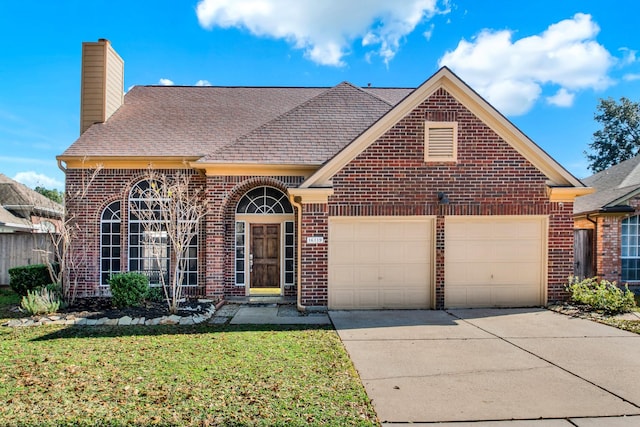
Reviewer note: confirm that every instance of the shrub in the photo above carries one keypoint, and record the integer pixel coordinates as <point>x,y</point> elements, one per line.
<point>155,294</point>
<point>604,295</point>
<point>29,277</point>
<point>128,289</point>
<point>40,301</point>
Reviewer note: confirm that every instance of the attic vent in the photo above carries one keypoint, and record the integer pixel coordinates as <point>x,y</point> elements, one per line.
<point>441,141</point>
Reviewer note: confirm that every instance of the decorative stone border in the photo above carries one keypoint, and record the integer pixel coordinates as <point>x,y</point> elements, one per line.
<point>71,319</point>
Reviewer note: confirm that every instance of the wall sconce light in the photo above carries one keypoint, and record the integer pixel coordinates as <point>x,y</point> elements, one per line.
<point>443,198</point>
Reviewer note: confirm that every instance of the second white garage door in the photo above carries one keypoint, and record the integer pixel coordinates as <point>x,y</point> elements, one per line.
<point>380,262</point>
<point>496,261</point>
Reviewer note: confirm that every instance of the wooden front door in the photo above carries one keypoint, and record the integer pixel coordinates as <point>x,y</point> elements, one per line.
<point>265,253</point>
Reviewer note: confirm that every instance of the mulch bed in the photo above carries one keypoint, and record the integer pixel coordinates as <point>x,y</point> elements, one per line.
<point>95,308</point>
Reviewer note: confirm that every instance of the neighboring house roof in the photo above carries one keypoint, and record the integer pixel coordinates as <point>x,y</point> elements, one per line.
<point>614,187</point>
<point>185,121</point>
<point>10,221</point>
<point>22,201</point>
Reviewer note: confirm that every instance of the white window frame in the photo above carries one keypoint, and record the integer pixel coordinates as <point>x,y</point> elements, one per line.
<point>114,217</point>
<point>630,248</point>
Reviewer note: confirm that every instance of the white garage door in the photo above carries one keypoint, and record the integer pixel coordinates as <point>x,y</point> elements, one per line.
<point>380,262</point>
<point>495,261</point>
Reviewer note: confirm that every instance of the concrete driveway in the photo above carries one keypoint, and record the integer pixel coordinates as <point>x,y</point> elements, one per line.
<point>461,366</point>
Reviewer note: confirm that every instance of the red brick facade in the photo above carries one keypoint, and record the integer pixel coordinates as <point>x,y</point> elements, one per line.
<point>391,177</point>
<point>388,178</point>
<point>607,241</point>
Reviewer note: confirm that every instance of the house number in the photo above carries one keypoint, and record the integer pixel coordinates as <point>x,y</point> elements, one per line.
<point>315,239</point>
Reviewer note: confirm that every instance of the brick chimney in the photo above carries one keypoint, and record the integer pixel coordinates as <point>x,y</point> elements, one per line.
<point>102,87</point>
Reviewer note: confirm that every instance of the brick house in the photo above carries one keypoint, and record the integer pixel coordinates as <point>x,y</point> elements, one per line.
<point>344,197</point>
<point>607,224</point>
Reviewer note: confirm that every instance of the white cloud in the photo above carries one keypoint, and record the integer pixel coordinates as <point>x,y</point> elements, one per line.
<point>511,75</point>
<point>165,82</point>
<point>323,29</point>
<point>629,56</point>
<point>562,98</point>
<point>33,179</point>
<point>203,83</point>
<point>631,77</point>
<point>427,34</point>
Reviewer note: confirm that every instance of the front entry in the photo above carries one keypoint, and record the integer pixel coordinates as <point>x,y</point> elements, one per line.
<point>265,258</point>
<point>265,243</point>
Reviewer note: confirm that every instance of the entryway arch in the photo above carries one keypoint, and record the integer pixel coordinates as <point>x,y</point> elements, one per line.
<point>264,242</point>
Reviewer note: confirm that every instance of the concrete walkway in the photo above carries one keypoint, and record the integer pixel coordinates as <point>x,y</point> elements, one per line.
<point>272,314</point>
<point>520,367</point>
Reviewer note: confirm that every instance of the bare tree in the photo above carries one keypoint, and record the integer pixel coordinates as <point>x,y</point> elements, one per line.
<point>68,257</point>
<point>169,209</point>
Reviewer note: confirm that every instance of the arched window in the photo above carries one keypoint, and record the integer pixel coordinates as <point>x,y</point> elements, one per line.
<point>148,241</point>
<point>109,242</point>
<point>630,246</point>
<point>264,200</point>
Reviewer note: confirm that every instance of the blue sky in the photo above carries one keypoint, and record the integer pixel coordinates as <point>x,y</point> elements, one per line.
<point>544,64</point>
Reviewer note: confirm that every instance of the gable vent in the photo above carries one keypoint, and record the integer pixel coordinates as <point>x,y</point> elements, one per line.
<point>441,141</point>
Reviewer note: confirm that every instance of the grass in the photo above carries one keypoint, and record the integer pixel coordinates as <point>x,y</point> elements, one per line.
<point>174,375</point>
<point>8,299</point>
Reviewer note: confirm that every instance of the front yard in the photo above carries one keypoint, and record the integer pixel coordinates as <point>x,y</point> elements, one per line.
<point>172,375</point>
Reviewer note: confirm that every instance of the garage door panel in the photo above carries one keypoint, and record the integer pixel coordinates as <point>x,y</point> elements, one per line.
<point>365,254</point>
<point>392,252</point>
<point>525,250</point>
<point>344,252</point>
<point>367,231</point>
<point>366,275</point>
<point>494,261</point>
<point>389,264</point>
<point>344,232</point>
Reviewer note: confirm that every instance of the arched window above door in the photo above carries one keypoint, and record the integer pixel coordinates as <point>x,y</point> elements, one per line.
<point>264,200</point>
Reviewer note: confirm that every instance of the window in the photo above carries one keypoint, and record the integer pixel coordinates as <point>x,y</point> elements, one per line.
<point>630,249</point>
<point>109,242</point>
<point>441,141</point>
<point>264,200</point>
<point>289,248</point>
<point>240,253</point>
<point>148,246</point>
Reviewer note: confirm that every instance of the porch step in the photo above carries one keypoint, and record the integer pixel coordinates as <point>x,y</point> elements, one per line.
<point>262,300</point>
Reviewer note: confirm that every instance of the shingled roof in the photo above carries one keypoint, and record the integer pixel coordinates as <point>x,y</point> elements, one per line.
<point>181,121</point>
<point>18,198</point>
<point>614,187</point>
<point>310,133</point>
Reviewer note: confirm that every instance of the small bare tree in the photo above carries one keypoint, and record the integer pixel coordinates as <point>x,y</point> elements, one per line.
<point>170,210</point>
<point>68,258</point>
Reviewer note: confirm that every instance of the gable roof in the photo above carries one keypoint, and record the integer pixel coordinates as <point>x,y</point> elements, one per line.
<point>614,187</point>
<point>193,122</point>
<point>308,134</point>
<point>445,78</point>
<point>20,199</point>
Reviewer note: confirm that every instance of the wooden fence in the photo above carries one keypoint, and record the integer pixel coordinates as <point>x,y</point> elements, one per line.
<point>18,249</point>
<point>583,253</point>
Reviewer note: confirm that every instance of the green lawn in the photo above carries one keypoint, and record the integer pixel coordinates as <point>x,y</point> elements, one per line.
<point>168,375</point>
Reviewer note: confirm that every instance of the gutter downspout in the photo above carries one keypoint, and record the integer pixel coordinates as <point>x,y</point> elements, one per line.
<point>298,206</point>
